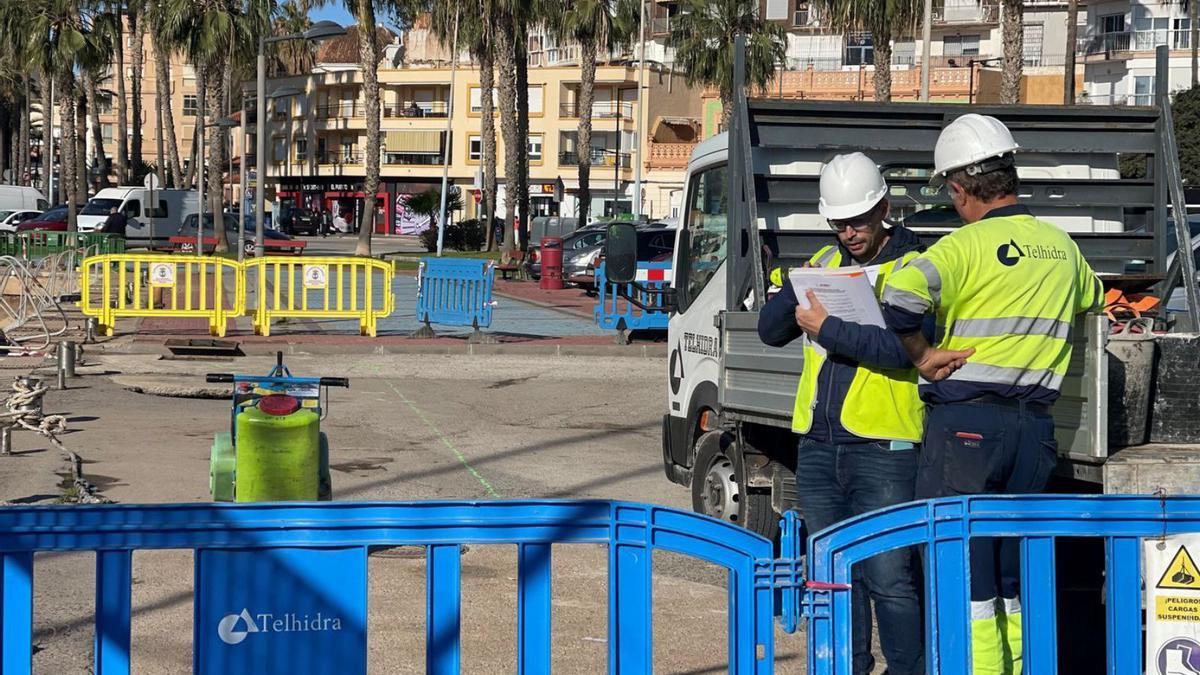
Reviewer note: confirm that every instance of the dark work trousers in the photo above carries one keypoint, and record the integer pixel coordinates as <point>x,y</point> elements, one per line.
<point>836,482</point>
<point>988,447</point>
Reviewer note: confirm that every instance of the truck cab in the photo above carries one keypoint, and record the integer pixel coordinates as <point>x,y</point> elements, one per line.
<point>152,216</point>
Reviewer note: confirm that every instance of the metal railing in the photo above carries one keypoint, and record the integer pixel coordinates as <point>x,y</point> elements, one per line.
<point>600,109</point>
<point>1112,45</point>
<point>412,158</point>
<point>345,109</point>
<point>598,158</point>
<point>337,157</point>
<point>966,13</point>
<point>433,109</point>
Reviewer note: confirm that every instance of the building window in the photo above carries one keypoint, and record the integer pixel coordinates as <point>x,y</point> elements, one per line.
<point>1182,35</point>
<point>301,145</point>
<point>104,103</point>
<point>535,148</point>
<point>960,45</point>
<point>278,149</point>
<point>859,49</point>
<point>904,53</point>
<point>1143,90</point>
<point>190,107</point>
<point>106,130</point>
<point>1032,44</point>
<point>1112,23</point>
<point>777,10</point>
<point>1149,31</point>
<point>477,103</point>
<point>801,16</point>
<point>535,100</point>
<point>474,148</point>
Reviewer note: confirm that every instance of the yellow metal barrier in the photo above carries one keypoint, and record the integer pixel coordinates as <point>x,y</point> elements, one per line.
<point>149,285</point>
<point>320,288</point>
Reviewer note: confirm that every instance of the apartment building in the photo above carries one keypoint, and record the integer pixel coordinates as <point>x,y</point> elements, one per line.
<point>317,138</point>
<point>1117,50</point>
<point>965,36</point>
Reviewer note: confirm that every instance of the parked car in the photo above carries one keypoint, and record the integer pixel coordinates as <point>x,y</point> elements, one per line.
<point>188,229</point>
<point>53,220</point>
<point>9,220</point>
<point>654,243</point>
<point>300,220</point>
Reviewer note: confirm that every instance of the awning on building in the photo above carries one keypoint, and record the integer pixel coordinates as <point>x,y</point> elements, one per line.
<point>414,141</point>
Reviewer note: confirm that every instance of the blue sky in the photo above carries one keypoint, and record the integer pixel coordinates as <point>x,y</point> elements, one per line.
<point>336,12</point>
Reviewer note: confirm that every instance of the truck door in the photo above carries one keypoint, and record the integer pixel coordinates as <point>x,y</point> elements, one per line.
<point>693,338</point>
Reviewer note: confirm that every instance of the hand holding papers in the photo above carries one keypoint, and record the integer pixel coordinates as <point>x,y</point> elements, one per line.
<point>845,292</point>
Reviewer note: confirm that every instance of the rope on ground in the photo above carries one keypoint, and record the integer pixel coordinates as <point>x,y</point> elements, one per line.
<point>23,408</point>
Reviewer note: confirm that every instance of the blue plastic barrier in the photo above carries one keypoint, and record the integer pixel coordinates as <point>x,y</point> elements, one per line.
<point>614,312</point>
<point>944,527</point>
<point>454,292</point>
<point>282,588</point>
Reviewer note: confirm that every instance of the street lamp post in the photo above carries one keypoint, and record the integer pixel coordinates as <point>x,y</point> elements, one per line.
<point>319,31</point>
<point>971,63</point>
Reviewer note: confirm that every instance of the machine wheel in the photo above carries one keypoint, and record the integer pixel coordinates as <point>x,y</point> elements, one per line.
<point>325,483</point>
<point>221,467</point>
<point>719,487</point>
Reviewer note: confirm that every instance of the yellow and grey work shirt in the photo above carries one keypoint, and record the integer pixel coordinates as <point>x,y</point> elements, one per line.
<point>1008,286</point>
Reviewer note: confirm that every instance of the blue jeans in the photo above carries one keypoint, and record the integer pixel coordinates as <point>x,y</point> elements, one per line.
<point>836,482</point>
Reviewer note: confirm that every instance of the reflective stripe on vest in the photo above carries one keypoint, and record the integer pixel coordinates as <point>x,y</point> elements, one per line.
<point>881,403</point>
<point>1007,287</point>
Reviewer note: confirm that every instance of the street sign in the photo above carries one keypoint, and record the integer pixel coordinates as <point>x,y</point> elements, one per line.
<point>162,274</point>
<point>151,182</point>
<point>1172,605</point>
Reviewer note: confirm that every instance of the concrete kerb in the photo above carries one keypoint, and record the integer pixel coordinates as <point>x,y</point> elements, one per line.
<point>261,348</point>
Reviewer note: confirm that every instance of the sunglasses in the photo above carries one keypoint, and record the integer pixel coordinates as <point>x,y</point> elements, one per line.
<point>859,224</point>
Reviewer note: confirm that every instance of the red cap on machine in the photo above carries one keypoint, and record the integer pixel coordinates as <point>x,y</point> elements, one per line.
<point>278,404</point>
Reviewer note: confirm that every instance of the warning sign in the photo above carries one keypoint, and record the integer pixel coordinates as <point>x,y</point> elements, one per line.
<point>162,274</point>
<point>316,276</point>
<point>1172,605</point>
<point>1181,573</point>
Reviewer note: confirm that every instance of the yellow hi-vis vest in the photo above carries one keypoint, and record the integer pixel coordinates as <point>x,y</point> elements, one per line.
<point>882,403</point>
<point>1009,287</point>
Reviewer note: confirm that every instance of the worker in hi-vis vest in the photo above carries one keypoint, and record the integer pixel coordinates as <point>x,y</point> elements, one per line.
<point>858,412</point>
<point>1005,288</point>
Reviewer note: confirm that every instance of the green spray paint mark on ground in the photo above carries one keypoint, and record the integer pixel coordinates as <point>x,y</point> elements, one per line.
<point>446,442</point>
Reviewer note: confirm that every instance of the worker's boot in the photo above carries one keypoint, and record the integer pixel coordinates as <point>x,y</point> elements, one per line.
<point>987,653</point>
<point>1009,621</point>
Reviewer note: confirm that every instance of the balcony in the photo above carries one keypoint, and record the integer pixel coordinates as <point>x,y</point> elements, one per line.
<point>966,13</point>
<point>412,159</point>
<point>670,155</point>
<point>339,158</point>
<point>420,109</point>
<point>343,110</point>
<point>599,157</point>
<point>660,26</point>
<point>1119,45</point>
<point>600,110</point>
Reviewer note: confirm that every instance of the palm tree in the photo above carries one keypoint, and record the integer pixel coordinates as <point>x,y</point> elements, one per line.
<point>703,35</point>
<point>120,137</point>
<point>1012,25</point>
<point>210,33</point>
<point>94,60</point>
<point>172,169</point>
<point>504,34</point>
<point>137,62</point>
<point>884,20</point>
<point>596,25</point>
<point>292,57</point>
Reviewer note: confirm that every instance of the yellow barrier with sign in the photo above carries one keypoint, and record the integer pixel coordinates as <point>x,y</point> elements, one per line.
<point>319,288</point>
<point>150,285</point>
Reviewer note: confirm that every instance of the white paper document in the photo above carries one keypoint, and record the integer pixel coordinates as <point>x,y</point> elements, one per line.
<point>846,292</point>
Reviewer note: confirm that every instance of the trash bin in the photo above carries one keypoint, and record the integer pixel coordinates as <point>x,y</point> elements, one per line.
<point>552,259</point>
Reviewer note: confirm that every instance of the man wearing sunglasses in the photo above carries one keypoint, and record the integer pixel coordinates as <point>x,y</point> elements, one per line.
<point>857,411</point>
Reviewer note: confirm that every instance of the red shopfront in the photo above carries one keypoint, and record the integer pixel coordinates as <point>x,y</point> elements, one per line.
<point>346,199</point>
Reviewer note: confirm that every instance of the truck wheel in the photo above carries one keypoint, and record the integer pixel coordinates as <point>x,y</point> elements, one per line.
<point>719,487</point>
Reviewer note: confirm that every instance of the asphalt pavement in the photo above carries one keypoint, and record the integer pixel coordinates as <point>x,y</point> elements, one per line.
<point>412,426</point>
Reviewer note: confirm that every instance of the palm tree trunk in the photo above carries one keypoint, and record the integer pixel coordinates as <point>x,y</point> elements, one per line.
<point>1069,63</point>
<point>1193,35</point>
<point>47,152</point>
<point>190,178</point>
<point>66,112</point>
<point>81,165</point>
<point>162,80</point>
<point>368,56</point>
<point>487,82</point>
<point>583,137</point>
<point>521,57</point>
<point>215,92</point>
<point>23,143</point>
<point>89,92</point>
<point>506,68</point>
<point>1013,27</point>
<point>121,138</point>
<point>137,25</point>
<point>881,38</point>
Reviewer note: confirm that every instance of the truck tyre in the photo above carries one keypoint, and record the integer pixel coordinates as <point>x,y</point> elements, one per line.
<point>719,487</point>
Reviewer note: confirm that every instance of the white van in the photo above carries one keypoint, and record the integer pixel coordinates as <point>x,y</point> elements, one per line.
<point>21,198</point>
<point>135,203</point>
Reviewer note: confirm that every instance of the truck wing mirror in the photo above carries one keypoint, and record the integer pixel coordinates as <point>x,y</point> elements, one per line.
<point>620,255</point>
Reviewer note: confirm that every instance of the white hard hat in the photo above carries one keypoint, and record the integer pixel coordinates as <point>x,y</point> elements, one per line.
<point>969,140</point>
<point>851,185</point>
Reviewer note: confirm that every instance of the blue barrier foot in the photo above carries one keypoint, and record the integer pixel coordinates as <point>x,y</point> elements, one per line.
<point>424,332</point>
<point>622,337</point>
<point>479,337</point>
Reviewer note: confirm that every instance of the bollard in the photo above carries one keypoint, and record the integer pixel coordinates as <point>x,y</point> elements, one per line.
<point>6,441</point>
<point>92,325</point>
<point>67,352</point>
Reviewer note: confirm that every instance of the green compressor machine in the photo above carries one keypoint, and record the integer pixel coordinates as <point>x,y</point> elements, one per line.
<point>274,450</point>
